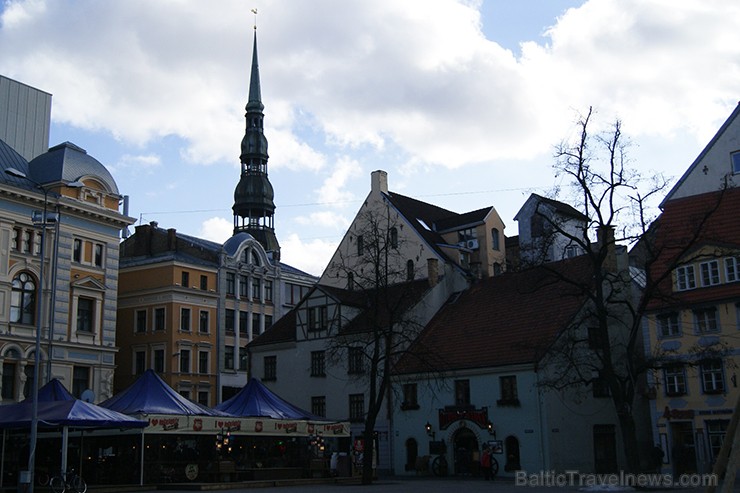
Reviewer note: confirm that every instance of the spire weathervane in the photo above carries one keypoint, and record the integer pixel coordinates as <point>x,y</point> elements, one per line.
<point>254,11</point>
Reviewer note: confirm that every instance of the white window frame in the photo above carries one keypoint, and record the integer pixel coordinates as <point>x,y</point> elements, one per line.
<point>735,162</point>
<point>675,380</point>
<point>712,377</point>
<point>668,324</point>
<point>709,273</point>
<point>685,278</point>
<point>704,323</point>
<point>732,269</point>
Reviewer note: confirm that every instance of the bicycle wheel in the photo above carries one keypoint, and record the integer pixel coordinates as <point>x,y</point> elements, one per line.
<point>79,484</point>
<point>57,484</point>
<point>494,468</point>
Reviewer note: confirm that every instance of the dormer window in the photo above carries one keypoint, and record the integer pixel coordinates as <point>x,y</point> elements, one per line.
<point>709,273</point>
<point>685,278</point>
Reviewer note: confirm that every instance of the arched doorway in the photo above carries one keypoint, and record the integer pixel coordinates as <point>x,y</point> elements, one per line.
<point>511,447</point>
<point>412,453</point>
<point>466,451</point>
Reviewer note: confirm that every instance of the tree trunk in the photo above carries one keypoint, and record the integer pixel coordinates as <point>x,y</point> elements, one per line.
<point>629,441</point>
<point>368,453</point>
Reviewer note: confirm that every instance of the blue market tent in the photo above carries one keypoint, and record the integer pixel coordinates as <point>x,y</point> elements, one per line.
<point>58,408</point>
<point>149,394</point>
<point>256,400</point>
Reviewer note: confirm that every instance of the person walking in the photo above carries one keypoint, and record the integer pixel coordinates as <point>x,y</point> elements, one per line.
<point>485,462</point>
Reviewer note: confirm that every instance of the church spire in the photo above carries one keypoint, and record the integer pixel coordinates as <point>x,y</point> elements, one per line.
<point>254,208</point>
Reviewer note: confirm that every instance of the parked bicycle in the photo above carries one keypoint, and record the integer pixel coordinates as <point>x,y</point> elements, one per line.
<point>69,481</point>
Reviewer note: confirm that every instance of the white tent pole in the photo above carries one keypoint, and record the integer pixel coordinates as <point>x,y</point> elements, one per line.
<point>141,473</point>
<point>65,443</point>
<point>2,461</point>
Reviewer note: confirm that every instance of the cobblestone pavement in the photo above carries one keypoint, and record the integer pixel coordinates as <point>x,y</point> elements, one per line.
<point>427,485</point>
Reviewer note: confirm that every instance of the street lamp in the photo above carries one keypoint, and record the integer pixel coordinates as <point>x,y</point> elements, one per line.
<point>43,220</point>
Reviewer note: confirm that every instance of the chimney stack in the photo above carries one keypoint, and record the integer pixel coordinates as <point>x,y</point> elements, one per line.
<point>379,181</point>
<point>433,271</point>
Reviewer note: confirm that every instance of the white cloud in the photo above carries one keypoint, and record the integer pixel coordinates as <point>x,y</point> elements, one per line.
<point>325,219</point>
<point>216,229</point>
<point>311,256</point>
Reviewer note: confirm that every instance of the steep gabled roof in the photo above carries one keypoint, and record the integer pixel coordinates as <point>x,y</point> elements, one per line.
<point>400,297</point>
<point>503,320</point>
<point>735,113</point>
<point>465,220</point>
<point>686,225</point>
<point>560,207</point>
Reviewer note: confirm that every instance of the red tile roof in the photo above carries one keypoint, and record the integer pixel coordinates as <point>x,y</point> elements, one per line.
<point>502,320</point>
<point>686,225</point>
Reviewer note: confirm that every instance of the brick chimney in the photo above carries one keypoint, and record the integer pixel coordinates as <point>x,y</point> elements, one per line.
<point>172,239</point>
<point>433,271</point>
<point>379,181</point>
<point>605,236</point>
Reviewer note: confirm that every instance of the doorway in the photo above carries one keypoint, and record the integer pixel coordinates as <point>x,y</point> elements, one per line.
<point>683,448</point>
<point>511,447</point>
<point>412,453</point>
<point>605,449</point>
<point>466,452</point>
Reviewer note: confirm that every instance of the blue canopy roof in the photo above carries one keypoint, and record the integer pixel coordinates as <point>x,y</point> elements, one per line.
<point>256,400</point>
<point>149,394</point>
<point>58,408</point>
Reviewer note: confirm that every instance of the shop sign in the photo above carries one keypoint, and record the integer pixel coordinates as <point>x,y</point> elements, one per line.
<point>669,413</point>
<point>449,416</point>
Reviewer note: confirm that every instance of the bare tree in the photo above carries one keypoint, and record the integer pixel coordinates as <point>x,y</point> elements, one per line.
<point>601,348</point>
<point>380,285</point>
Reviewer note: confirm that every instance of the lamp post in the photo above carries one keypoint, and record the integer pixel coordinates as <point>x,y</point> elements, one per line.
<point>43,221</point>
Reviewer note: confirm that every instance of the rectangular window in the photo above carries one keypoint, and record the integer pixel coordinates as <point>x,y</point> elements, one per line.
<point>256,324</point>
<point>139,362</point>
<point>716,431</point>
<point>317,317</point>
<point>85,314</point>
<point>462,392</point>
<point>675,380</point>
<point>270,368</point>
<point>185,279</point>
<point>203,322</point>
<point>159,319</point>
<point>410,398</point>
<point>355,360</point>
<point>509,392</point>
<point>185,319</point>
<point>230,283</point>
<point>98,255</point>
<point>356,407</point>
<point>203,397</point>
<point>268,321</point>
<point>243,323</point>
<point>243,287</point>
<point>203,362</point>
<point>685,278</point>
<point>735,162</point>
<point>732,269</point>
<point>140,320</point>
<point>256,288</point>
<point>709,273</point>
<point>204,283</point>
<point>77,250</point>
<point>28,386</point>
<point>185,361</point>
<point>600,387</point>
<point>229,357</point>
<point>268,291</point>
<point>318,364</point>
<point>229,320</point>
<point>318,405</point>
<point>706,320</point>
<point>185,393</point>
<point>712,376</point>
<point>360,245</point>
<point>9,380</point>
<point>243,355</point>
<point>159,360</point>
<point>668,325</point>
<point>80,380</point>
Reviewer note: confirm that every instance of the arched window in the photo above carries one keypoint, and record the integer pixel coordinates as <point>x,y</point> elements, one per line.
<point>393,234</point>
<point>255,258</point>
<point>495,239</point>
<point>410,270</point>
<point>23,299</point>
<point>350,281</point>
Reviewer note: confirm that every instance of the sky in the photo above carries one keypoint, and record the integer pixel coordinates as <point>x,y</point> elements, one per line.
<point>460,102</point>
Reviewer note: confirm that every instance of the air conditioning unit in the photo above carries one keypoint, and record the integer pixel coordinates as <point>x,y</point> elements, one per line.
<point>472,244</point>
